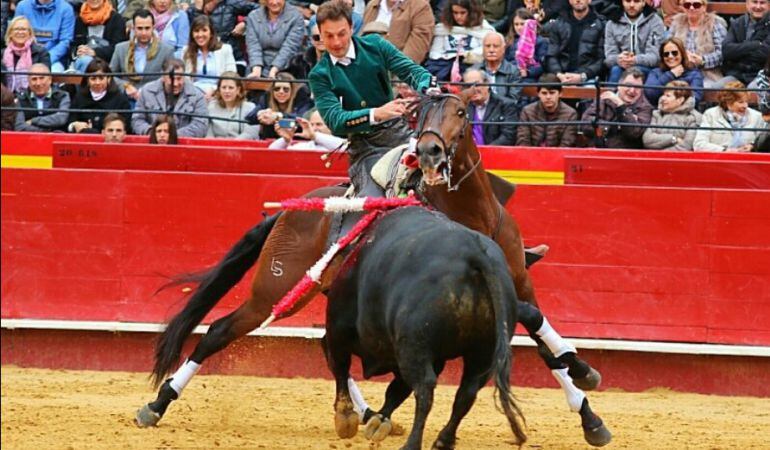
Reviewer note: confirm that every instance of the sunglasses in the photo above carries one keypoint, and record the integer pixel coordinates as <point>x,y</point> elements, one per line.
<point>689,5</point>
<point>282,89</point>
<point>672,53</point>
<point>316,37</point>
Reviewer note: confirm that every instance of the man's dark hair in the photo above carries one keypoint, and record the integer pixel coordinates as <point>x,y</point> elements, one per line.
<point>173,63</point>
<point>548,78</point>
<point>633,72</point>
<point>112,117</point>
<point>143,13</point>
<point>334,10</point>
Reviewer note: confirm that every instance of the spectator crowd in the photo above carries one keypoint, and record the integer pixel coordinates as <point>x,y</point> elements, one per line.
<point>179,68</point>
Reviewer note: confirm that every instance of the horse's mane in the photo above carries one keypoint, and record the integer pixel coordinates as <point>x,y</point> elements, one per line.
<point>427,103</point>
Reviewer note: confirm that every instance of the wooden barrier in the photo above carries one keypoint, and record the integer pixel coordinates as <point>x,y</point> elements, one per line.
<point>727,8</point>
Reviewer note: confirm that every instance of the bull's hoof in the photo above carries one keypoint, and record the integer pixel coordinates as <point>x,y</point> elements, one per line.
<point>396,429</point>
<point>598,437</point>
<point>146,417</point>
<point>441,445</point>
<point>346,424</point>
<point>378,428</point>
<point>591,381</point>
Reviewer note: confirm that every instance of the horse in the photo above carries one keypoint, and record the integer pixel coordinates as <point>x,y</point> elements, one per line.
<point>408,305</point>
<point>283,247</point>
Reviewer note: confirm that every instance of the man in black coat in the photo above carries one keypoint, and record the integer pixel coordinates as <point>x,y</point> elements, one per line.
<point>48,105</point>
<point>485,106</point>
<point>576,43</point>
<point>747,44</point>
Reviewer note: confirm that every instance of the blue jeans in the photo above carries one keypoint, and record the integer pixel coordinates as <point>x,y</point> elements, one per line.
<point>81,63</point>
<point>616,71</point>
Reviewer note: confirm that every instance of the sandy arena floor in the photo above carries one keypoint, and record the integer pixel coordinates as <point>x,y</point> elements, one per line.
<point>46,409</point>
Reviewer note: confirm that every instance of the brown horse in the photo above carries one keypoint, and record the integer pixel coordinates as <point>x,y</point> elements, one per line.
<point>285,245</point>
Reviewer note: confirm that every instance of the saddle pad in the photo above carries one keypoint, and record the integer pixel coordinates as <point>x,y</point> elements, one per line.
<point>389,173</point>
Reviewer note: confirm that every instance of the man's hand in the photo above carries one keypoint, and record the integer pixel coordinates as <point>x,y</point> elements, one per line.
<point>696,59</point>
<point>569,77</point>
<point>239,29</point>
<point>391,110</point>
<point>273,72</point>
<point>523,73</point>
<point>613,97</point>
<point>256,72</point>
<point>80,126</point>
<point>266,116</point>
<point>85,50</point>
<point>626,60</point>
<point>132,91</point>
<point>743,148</point>
<point>307,131</point>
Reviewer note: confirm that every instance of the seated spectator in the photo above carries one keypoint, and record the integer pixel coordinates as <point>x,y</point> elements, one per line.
<point>499,13</point>
<point>675,65</point>
<point>358,18</point>
<point>531,68</point>
<point>114,130</point>
<point>676,107</point>
<point>205,55</point>
<point>98,29</point>
<point>410,24</point>
<point>163,131</point>
<point>633,39</point>
<point>172,94</point>
<point>229,102</point>
<point>314,131</point>
<point>50,104</point>
<point>142,53</point>
<point>282,100</point>
<point>302,63</point>
<point>53,22</point>
<point>484,106</point>
<point>273,36</point>
<point>731,116</point>
<point>170,24</point>
<point>224,19</point>
<point>7,117</point>
<point>747,44</point>
<point>576,43</point>
<point>498,69</point>
<point>628,106</point>
<point>549,108</point>
<point>702,33</point>
<point>762,83</point>
<point>458,38</point>
<point>97,94</point>
<point>669,9</point>
<point>21,52</point>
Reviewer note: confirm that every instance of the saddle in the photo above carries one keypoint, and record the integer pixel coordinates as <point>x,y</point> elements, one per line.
<point>394,171</point>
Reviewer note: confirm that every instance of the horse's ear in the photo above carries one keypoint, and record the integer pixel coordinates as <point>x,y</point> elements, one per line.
<point>465,96</point>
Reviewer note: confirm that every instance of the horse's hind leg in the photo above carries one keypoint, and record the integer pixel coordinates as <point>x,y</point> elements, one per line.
<point>473,380</point>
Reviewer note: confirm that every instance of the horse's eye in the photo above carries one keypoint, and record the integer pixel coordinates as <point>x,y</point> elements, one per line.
<point>461,113</point>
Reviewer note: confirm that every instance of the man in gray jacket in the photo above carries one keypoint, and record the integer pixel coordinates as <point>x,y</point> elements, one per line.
<point>172,95</point>
<point>633,39</point>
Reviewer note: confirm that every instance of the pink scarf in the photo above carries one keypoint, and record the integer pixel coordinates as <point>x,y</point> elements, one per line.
<point>161,20</point>
<point>18,82</point>
<point>525,51</point>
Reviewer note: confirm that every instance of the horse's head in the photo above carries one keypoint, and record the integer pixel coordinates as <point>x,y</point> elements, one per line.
<point>442,124</point>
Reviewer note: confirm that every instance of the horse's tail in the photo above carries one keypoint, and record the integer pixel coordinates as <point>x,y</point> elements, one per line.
<point>500,287</point>
<point>213,285</point>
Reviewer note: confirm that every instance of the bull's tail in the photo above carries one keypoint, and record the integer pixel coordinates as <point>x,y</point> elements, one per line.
<point>213,285</point>
<point>500,284</point>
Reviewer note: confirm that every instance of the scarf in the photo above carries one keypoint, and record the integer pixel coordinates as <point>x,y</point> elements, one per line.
<point>737,123</point>
<point>151,52</point>
<point>161,19</point>
<point>98,95</point>
<point>525,49</point>
<point>18,82</point>
<point>92,17</point>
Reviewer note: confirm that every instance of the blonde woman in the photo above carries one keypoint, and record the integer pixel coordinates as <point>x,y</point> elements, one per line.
<point>702,33</point>
<point>229,103</point>
<point>21,51</point>
<point>171,23</point>
<point>282,100</point>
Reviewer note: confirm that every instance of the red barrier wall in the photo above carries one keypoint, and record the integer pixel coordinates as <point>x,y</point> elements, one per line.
<point>626,262</point>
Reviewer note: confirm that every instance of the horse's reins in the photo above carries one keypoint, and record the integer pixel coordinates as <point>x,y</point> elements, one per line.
<point>450,150</point>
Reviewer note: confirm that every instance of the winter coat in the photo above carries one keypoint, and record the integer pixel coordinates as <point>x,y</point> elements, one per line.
<point>659,77</point>
<point>507,73</point>
<point>498,110</point>
<point>115,99</point>
<point>744,58</point>
<point>645,45</point>
<point>499,13</point>
<point>411,26</point>
<point>662,138</point>
<point>720,140</point>
<point>54,25</point>
<point>224,18</point>
<point>547,135</point>
<point>223,62</point>
<point>590,50</point>
<point>7,117</point>
<point>191,101</point>
<point>445,41</point>
<point>114,33</point>
<point>618,136</point>
<point>541,51</point>
<point>273,48</point>
<point>231,130</point>
<point>708,47</point>
<point>43,120</point>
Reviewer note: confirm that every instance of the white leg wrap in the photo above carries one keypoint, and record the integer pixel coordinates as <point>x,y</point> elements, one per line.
<point>555,343</point>
<point>183,375</point>
<point>574,395</point>
<point>359,404</point>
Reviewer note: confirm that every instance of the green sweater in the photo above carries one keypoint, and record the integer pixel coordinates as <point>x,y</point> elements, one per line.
<point>344,95</point>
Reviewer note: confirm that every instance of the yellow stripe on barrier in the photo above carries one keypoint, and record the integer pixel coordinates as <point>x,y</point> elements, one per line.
<point>531,176</point>
<point>25,162</point>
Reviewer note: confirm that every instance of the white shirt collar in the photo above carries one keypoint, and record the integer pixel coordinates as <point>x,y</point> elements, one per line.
<point>348,58</point>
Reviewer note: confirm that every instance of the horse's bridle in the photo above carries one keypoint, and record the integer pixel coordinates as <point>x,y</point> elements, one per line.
<point>449,150</point>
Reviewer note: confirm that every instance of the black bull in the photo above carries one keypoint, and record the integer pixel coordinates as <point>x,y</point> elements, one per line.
<point>422,290</point>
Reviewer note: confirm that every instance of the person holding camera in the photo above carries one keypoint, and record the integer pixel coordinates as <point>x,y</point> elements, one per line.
<point>98,29</point>
<point>285,99</point>
<point>314,132</point>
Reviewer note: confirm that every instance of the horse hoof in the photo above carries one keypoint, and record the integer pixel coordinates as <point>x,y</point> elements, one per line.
<point>589,382</point>
<point>598,437</point>
<point>146,417</point>
<point>378,428</point>
<point>346,424</point>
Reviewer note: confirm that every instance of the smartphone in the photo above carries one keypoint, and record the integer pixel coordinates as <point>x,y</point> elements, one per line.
<point>287,123</point>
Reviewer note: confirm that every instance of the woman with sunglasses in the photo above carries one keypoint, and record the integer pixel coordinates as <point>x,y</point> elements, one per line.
<point>281,101</point>
<point>206,55</point>
<point>302,63</point>
<point>702,33</point>
<point>229,102</point>
<point>674,65</point>
<point>731,119</point>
